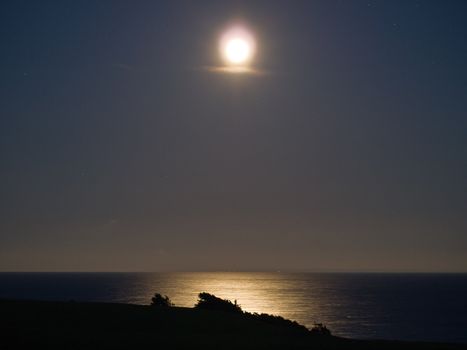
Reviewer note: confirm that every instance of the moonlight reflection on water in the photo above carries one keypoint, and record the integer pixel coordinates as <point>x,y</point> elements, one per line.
<point>391,306</point>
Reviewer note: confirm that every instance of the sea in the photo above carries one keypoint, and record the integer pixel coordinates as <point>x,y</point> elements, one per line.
<point>419,307</point>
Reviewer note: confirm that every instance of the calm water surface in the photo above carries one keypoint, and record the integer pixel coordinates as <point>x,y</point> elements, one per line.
<point>392,306</point>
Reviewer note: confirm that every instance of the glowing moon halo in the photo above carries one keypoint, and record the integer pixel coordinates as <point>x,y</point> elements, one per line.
<point>237,47</point>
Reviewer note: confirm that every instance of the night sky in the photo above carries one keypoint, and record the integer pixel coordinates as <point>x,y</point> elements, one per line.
<point>121,151</point>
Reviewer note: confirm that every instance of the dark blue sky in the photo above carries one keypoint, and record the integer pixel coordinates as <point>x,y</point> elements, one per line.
<point>120,152</point>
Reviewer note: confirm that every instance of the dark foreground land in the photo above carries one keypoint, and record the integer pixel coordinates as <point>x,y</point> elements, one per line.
<point>73,325</point>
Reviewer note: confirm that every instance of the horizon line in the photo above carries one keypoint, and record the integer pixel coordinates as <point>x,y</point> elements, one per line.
<point>244,271</point>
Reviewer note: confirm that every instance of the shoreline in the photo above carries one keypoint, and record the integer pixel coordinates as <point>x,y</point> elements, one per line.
<point>96,325</point>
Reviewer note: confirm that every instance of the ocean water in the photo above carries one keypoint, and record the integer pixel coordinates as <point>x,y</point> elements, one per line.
<point>430,307</point>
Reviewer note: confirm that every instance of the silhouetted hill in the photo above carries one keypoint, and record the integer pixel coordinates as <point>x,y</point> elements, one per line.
<point>73,325</point>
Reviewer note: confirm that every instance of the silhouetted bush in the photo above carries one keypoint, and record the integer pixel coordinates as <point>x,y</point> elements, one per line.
<point>278,321</point>
<point>211,302</point>
<point>161,301</point>
<point>320,329</point>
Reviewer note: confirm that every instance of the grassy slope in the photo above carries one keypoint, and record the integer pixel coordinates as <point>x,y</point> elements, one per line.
<point>69,325</point>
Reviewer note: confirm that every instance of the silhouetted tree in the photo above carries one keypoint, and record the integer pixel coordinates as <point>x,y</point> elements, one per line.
<point>161,301</point>
<point>278,321</point>
<point>211,302</point>
<point>321,329</point>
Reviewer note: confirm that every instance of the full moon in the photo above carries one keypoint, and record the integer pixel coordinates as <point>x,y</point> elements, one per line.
<point>237,51</point>
<point>237,47</point>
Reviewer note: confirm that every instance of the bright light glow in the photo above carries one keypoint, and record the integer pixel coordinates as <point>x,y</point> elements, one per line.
<point>237,51</point>
<point>237,47</point>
